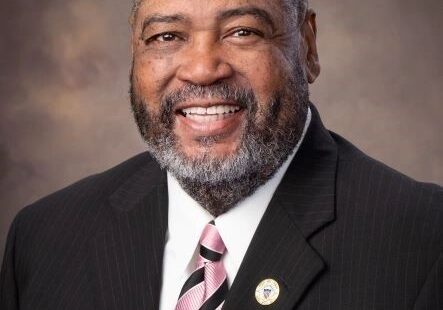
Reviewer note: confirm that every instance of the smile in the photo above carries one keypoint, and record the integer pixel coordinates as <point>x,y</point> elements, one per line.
<point>209,118</point>
<point>210,114</point>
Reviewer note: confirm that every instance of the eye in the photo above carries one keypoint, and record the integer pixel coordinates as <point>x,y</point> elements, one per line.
<point>164,37</point>
<point>243,33</point>
<point>244,36</point>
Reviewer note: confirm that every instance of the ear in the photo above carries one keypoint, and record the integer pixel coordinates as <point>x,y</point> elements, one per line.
<point>309,51</point>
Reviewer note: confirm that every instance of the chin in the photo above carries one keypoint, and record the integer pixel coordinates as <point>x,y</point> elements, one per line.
<point>207,147</point>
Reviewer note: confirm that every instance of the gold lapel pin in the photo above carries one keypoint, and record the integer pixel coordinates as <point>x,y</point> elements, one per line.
<point>267,292</point>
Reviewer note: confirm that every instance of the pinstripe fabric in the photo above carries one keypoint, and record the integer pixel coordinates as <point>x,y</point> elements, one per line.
<point>342,231</point>
<point>97,244</point>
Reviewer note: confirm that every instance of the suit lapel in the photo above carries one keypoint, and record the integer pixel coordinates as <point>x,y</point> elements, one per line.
<point>128,252</point>
<point>301,206</point>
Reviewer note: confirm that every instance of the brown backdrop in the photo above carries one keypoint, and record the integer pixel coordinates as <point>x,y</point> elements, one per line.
<point>64,109</point>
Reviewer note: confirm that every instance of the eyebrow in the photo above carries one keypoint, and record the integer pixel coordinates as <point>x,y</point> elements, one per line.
<point>158,18</point>
<point>258,13</point>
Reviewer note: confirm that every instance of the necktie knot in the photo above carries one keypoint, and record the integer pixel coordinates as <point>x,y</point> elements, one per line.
<point>212,246</point>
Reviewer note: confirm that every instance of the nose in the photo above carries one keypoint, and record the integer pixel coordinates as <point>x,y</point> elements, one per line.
<point>203,62</point>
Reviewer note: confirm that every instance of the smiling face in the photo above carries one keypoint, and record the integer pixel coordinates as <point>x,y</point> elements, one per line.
<point>219,90</point>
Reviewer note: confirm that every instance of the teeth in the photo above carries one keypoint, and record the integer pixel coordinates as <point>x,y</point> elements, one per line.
<point>214,110</point>
<point>206,118</point>
<point>211,110</point>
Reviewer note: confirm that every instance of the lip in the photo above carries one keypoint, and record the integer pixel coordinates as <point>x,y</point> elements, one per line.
<point>221,127</point>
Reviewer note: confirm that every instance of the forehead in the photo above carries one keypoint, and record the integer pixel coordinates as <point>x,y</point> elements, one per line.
<point>208,8</point>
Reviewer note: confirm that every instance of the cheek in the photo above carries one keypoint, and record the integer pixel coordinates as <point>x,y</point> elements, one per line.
<point>266,72</point>
<point>151,75</point>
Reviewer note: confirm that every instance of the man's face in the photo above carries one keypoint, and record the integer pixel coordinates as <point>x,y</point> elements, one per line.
<point>216,82</point>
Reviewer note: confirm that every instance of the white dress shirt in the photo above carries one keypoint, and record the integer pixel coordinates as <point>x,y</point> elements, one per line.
<point>186,220</point>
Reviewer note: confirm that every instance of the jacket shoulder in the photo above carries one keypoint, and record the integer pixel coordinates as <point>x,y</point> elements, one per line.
<point>349,156</point>
<point>93,188</point>
<point>76,205</point>
<point>396,200</point>
<point>60,224</point>
<point>49,241</point>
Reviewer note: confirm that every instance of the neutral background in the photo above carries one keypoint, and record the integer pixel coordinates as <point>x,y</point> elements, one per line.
<point>64,109</point>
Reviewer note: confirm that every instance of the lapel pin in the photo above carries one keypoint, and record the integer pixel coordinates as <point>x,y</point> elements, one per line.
<point>267,292</point>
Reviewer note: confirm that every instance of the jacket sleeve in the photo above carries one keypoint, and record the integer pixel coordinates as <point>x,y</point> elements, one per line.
<point>431,294</point>
<point>8,285</point>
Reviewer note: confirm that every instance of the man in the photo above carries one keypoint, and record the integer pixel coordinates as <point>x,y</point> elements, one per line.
<point>244,201</point>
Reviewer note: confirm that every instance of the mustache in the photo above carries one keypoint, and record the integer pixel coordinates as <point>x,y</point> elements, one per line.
<point>244,97</point>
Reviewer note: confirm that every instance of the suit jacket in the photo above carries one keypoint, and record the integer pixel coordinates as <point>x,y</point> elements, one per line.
<point>342,231</point>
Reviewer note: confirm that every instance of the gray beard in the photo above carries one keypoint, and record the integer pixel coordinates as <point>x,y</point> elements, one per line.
<point>218,184</point>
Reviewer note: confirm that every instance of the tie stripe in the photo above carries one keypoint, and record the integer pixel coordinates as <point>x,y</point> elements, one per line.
<point>207,286</point>
<point>217,298</point>
<point>208,254</point>
<point>191,300</point>
<point>196,278</point>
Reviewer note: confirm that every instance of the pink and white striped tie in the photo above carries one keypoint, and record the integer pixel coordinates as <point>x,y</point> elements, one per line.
<point>207,287</point>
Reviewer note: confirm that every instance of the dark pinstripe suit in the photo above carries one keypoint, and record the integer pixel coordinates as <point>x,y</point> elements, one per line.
<point>343,231</point>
